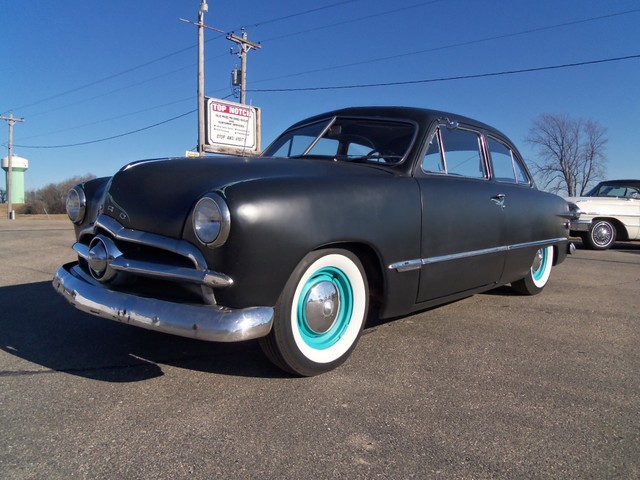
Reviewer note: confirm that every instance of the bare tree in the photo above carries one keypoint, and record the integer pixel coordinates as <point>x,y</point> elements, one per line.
<point>571,153</point>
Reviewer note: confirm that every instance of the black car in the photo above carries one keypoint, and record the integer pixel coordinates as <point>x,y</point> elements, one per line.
<point>379,211</point>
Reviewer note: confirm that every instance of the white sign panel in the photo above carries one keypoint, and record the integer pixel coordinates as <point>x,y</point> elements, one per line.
<point>232,128</point>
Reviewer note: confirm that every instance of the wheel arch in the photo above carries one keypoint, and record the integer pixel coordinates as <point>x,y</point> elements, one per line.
<point>372,264</point>
<point>621,230</point>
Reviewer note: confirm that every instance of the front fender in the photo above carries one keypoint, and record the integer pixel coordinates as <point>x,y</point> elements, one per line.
<point>276,222</point>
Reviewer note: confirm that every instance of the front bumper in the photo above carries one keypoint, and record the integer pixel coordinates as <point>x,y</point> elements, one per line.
<point>203,322</point>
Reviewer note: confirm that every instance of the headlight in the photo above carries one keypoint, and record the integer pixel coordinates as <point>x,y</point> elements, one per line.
<point>211,220</point>
<point>76,204</point>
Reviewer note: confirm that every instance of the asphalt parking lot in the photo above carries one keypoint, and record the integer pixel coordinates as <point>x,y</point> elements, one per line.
<point>493,386</point>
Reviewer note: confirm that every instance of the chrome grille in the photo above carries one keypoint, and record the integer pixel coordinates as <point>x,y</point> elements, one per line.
<point>147,255</point>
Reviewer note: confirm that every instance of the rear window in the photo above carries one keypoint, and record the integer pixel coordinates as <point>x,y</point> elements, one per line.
<point>506,166</point>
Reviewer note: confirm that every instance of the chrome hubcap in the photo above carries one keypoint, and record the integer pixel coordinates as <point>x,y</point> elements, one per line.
<point>537,260</point>
<point>322,306</point>
<point>602,234</point>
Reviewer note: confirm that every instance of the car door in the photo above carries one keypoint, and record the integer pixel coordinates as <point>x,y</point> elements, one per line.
<point>625,207</point>
<point>463,226</point>
<point>525,211</point>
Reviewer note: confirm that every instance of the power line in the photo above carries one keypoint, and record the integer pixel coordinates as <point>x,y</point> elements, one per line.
<point>324,69</point>
<point>299,14</point>
<point>109,119</point>
<point>446,79</point>
<point>101,80</point>
<point>352,20</point>
<point>168,55</point>
<point>371,85</point>
<point>111,137</point>
<point>445,47</point>
<point>339,66</point>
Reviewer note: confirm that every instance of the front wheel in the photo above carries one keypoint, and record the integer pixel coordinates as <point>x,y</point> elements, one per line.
<point>601,236</point>
<point>320,314</point>
<point>538,275</point>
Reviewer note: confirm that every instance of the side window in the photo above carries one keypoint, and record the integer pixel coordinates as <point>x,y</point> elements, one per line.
<point>521,174</point>
<point>293,146</point>
<point>432,161</point>
<point>325,146</point>
<point>506,166</point>
<point>502,162</point>
<point>462,154</point>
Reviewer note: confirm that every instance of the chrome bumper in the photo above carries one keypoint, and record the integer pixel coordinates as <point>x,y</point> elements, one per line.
<point>580,225</point>
<point>202,322</point>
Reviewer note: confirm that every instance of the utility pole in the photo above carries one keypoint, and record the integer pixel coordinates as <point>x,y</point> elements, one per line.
<point>244,47</point>
<point>201,106</point>
<point>11,120</point>
<point>201,131</point>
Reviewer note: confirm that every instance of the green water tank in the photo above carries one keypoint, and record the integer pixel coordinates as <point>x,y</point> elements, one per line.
<point>18,166</point>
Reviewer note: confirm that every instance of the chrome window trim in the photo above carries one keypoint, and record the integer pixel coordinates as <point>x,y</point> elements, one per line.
<point>482,150</point>
<point>416,264</point>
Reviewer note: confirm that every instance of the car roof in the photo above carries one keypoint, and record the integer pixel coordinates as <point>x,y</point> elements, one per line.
<point>422,116</point>
<point>631,182</point>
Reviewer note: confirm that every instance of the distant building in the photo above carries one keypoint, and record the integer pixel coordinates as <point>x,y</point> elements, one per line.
<point>18,166</point>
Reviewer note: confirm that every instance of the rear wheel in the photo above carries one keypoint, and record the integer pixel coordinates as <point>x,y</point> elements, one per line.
<point>320,314</point>
<point>602,235</point>
<point>538,275</point>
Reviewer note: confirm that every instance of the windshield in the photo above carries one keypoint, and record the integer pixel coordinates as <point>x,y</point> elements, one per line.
<point>347,139</point>
<point>617,190</point>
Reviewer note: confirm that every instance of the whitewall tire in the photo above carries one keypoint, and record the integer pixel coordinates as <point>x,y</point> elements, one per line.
<point>538,274</point>
<point>320,314</point>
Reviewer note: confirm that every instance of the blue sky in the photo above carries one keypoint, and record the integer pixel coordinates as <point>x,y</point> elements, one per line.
<point>80,71</point>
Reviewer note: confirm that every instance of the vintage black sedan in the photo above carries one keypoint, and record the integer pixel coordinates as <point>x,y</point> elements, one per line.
<point>370,211</point>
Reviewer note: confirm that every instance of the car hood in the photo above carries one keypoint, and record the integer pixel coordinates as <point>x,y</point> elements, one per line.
<point>596,200</point>
<point>601,205</point>
<point>157,195</point>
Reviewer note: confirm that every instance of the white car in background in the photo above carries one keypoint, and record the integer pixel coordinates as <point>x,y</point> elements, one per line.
<point>609,212</point>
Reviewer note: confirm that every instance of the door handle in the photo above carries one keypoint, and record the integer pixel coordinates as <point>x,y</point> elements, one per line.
<point>499,199</point>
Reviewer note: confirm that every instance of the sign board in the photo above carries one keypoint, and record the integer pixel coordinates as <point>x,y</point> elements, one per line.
<point>232,128</point>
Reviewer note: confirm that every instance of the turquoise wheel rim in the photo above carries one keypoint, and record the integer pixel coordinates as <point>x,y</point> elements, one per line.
<point>542,258</point>
<point>343,288</point>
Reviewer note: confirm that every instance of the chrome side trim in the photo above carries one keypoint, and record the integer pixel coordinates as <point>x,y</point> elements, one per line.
<point>600,213</point>
<point>415,264</point>
<point>202,322</point>
<point>458,256</point>
<point>407,265</point>
<point>167,272</point>
<point>539,243</point>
